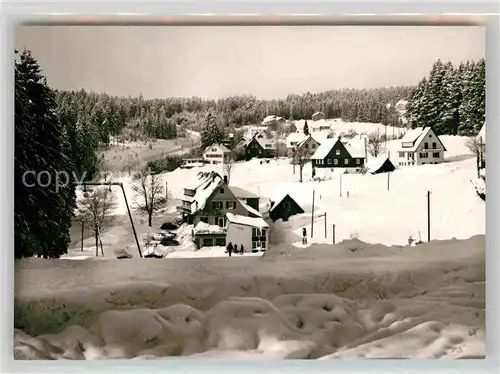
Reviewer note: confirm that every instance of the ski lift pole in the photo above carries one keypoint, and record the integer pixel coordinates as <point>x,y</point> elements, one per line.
<point>109,184</point>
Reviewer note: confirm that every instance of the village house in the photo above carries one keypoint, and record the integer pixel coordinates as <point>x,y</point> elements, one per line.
<point>259,147</point>
<point>309,145</point>
<point>481,137</point>
<point>250,200</point>
<point>205,235</point>
<point>381,164</point>
<point>420,146</point>
<point>283,207</point>
<point>208,200</point>
<point>216,154</point>
<point>189,163</point>
<point>251,232</point>
<point>340,153</point>
<point>317,116</point>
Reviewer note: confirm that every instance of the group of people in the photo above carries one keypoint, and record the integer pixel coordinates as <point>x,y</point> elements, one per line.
<point>234,248</point>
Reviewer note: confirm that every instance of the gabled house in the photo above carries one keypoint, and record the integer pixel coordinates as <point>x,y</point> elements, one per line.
<point>189,163</point>
<point>216,154</point>
<point>420,146</point>
<point>252,233</point>
<point>336,153</point>
<point>317,116</point>
<point>481,137</point>
<point>283,207</point>
<point>209,199</point>
<point>309,145</point>
<point>382,164</point>
<point>259,147</point>
<point>205,235</point>
<point>249,199</point>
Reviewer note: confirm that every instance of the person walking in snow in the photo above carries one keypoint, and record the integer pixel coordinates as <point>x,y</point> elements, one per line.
<point>304,236</point>
<point>235,249</point>
<point>241,249</point>
<point>230,248</point>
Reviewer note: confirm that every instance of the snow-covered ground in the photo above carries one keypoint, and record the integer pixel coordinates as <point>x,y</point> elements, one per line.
<point>350,300</point>
<point>366,209</point>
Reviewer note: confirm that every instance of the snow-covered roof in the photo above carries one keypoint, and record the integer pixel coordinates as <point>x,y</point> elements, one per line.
<point>482,133</point>
<point>220,148</point>
<point>241,193</point>
<point>249,209</point>
<point>416,136</point>
<point>205,228</point>
<point>263,142</point>
<point>356,147</point>
<point>204,191</point>
<point>325,148</point>
<point>295,138</point>
<point>306,139</point>
<point>318,113</point>
<point>271,118</point>
<point>374,163</point>
<point>247,221</point>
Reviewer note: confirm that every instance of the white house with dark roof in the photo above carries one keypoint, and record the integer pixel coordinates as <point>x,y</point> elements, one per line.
<point>420,146</point>
<point>251,232</point>
<point>216,154</point>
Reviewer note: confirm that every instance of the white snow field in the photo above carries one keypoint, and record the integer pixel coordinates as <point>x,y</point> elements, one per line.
<point>349,300</point>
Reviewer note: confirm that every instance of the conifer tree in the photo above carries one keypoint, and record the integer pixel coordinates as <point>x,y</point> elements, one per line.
<point>306,128</point>
<point>44,200</point>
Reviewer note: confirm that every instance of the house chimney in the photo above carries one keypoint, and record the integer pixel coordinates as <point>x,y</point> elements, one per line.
<point>225,179</point>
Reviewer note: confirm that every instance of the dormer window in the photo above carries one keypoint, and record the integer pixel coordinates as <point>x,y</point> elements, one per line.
<point>337,152</point>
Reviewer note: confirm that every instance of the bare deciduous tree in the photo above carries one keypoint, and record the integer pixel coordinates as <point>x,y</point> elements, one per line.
<point>228,165</point>
<point>151,193</point>
<point>375,141</point>
<point>300,157</point>
<point>474,145</point>
<point>93,209</point>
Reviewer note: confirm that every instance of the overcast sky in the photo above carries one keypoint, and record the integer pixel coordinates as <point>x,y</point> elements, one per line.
<point>268,62</point>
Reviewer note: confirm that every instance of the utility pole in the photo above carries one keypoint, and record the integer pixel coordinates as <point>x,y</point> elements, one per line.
<point>388,179</point>
<point>333,233</point>
<point>428,216</point>
<point>325,226</point>
<point>312,216</point>
<point>166,190</point>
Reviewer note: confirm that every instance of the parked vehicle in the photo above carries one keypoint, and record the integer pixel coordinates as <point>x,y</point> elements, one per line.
<point>159,236</point>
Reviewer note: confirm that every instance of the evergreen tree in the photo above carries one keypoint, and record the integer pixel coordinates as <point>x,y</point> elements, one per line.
<point>44,200</point>
<point>211,132</point>
<point>432,101</point>
<point>306,128</point>
<point>472,107</point>
<point>451,96</point>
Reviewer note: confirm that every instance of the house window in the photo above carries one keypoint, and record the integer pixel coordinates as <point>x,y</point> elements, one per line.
<point>435,154</point>
<point>346,161</point>
<point>329,161</point>
<point>221,190</point>
<point>263,232</point>
<point>254,245</point>
<point>335,162</point>
<point>254,232</point>
<point>434,145</point>
<point>220,242</point>
<point>220,221</point>
<point>358,161</point>
<point>313,146</point>
<point>263,245</point>
<point>306,146</point>
<point>260,151</point>
<point>426,145</point>
<point>401,154</point>
<point>230,204</point>
<point>423,155</point>
<point>217,204</point>
<point>337,152</point>
<point>207,242</point>
<point>204,219</point>
<point>214,149</point>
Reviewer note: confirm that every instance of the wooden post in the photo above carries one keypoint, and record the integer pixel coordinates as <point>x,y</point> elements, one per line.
<point>388,178</point>
<point>312,216</point>
<point>333,233</point>
<point>82,236</point>
<point>325,226</point>
<point>166,190</point>
<point>428,216</point>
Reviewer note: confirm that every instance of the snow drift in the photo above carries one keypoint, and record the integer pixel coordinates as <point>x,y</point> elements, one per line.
<point>351,300</point>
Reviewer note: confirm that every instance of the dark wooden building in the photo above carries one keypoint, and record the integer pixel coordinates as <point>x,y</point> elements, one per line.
<point>283,208</point>
<point>380,165</point>
<point>335,153</point>
<point>259,147</point>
